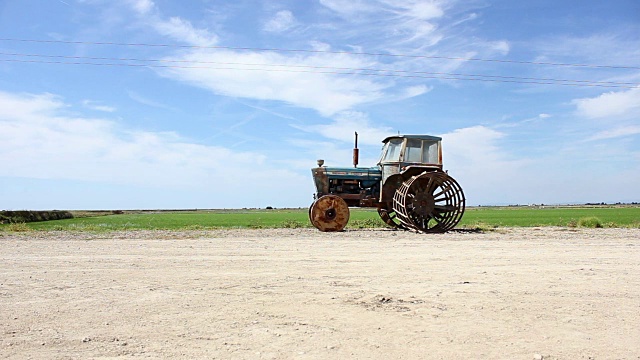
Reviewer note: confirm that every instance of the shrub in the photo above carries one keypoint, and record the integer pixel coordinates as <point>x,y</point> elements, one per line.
<point>292,224</point>
<point>255,225</point>
<point>18,227</point>
<point>32,216</point>
<point>366,223</point>
<point>479,226</point>
<point>590,222</point>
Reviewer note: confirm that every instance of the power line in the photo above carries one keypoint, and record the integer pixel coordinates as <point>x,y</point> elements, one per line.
<point>583,83</point>
<point>406,73</point>
<point>328,52</point>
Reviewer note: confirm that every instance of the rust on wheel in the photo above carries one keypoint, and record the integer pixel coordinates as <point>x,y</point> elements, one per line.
<point>329,213</point>
<point>429,202</point>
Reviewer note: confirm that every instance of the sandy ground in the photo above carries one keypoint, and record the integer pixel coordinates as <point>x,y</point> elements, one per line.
<point>548,293</point>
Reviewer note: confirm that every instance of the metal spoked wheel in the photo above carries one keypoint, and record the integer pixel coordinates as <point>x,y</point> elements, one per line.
<point>429,202</point>
<point>329,213</point>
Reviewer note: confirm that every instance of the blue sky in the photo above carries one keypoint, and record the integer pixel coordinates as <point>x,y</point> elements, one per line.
<point>146,104</point>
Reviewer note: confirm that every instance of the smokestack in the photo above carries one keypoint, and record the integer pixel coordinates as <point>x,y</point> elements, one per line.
<point>355,152</point>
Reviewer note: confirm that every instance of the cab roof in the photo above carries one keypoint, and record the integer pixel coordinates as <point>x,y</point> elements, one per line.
<point>420,137</point>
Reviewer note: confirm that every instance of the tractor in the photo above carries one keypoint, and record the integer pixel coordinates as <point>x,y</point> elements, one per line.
<point>408,187</point>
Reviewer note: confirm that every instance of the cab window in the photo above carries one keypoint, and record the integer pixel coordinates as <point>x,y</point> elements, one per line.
<point>393,150</point>
<point>413,152</point>
<point>430,152</point>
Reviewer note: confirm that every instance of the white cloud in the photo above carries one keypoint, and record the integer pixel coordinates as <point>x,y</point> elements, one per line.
<point>475,158</point>
<point>319,46</point>
<point>93,105</point>
<point>38,141</point>
<point>142,7</point>
<point>273,76</point>
<point>473,147</point>
<point>408,23</point>
<point>314,80</point>
<point>174,27</point>
<point>611,104</point>
<point>282,21</point>
<point>539,118</point>
<point>349,7</point>
<point>148,102</point>
<point>616,133</point>
<point>182,30</point>
<point>346,124</point>
<point>22,107</point>
<point>414,27</point>
<point>600,48</point>
<point>414,91</point>
<point>480,159</point>
<point>501,47</point>
<point>419,9</point>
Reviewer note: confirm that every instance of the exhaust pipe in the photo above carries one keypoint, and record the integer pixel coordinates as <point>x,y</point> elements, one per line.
<point>356,152</point>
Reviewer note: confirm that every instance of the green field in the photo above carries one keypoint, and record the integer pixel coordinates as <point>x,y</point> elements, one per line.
<point>474,218</point>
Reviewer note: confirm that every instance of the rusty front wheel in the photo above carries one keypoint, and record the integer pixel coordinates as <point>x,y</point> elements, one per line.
<point>329,213</point>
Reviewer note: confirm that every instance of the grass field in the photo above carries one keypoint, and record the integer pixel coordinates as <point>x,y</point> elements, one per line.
<point>474,218</point>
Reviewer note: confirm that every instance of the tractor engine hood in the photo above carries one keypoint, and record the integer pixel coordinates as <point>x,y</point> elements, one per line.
<point>365,176</point>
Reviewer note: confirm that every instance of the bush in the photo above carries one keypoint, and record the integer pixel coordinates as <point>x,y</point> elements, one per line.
<point>292,224</point>
<point>479,227</point>
<point>590,222</point>
<point>18,227</point>
<point>23,216</point>
<point>366,224</point>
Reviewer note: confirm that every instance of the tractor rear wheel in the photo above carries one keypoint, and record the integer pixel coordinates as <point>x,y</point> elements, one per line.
<point>431,202</point>
<point>329,213</point>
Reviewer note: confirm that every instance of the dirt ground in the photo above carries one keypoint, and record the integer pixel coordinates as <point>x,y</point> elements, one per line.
<point>531,293</point>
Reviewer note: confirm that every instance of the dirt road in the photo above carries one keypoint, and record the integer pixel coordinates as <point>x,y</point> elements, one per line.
<point>548,293</point>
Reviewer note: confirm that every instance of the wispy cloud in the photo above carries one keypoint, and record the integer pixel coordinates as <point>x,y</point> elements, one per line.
<point>274,76</point>
<point>346,124</point>
<point>146,101</point>
<point>616,133</point>
<point>405,8</point>
<point>540,117</point>
<point>94,105</point>
<point>603,48</point>
<point>613,104</point>
<point>392,22</point>
<point>283,20</point>
<point>142,7</point>
<point>173,27</point>
<point>326,82</point>
<point>182,30</point>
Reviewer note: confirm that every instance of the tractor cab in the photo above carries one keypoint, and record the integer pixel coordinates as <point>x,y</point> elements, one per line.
<point>412,149</point>
<point>411,153</point>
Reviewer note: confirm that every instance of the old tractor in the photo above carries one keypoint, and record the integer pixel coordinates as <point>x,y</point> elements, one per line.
<point>408,187</point>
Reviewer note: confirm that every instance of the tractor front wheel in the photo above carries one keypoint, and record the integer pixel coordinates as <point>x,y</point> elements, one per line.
<point>329,213</point>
